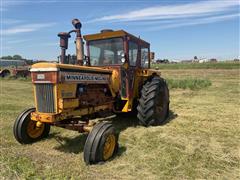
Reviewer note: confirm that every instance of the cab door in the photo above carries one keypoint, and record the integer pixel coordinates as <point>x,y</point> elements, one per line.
<point>128,75</point>
<point>133,56</point>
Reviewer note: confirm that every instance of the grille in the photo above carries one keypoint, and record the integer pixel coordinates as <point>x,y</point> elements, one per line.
<point>45,98</point>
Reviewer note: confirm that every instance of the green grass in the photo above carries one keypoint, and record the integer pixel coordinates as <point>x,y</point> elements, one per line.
<point>218,65</point>
<point>190,83</point>
<point>200,141</point>
<point>14,77</point>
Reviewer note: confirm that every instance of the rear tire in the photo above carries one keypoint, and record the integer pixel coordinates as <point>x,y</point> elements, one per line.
<point>153,106</point>
<point>101,143</point>
<point>5,73</point>
<point>25,130</point>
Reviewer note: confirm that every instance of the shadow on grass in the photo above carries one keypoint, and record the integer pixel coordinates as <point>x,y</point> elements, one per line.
<point>71,145</point>
<point>76,145</point>
<point>170,118</point>
<point>120,122</point>
<point>123,121</point>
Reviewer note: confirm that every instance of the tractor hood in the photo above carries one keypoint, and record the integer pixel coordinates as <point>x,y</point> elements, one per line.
<point>55,73</point>
<point>38,67</point>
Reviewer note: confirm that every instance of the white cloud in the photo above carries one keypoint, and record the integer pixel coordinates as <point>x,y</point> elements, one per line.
<point>195,9</point>
<point>25,28</point>
<point>56,44</point>
<point>11,2</point>
<point>17,41</point>
<point>195,22</point>
<point>11,21</point>
<point>6,4</point>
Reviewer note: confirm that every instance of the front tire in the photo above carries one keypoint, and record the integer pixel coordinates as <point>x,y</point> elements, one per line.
<point>153,107</point>
<point>101,143</point>
<point>25,130</point>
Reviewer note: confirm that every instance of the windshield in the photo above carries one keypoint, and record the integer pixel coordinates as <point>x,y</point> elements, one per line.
<point>106,51</point>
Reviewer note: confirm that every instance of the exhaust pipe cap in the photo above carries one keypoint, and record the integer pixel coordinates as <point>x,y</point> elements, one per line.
<point>76,23</point>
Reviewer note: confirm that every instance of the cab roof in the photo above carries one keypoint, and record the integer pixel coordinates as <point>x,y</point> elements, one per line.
<point>113,34</point>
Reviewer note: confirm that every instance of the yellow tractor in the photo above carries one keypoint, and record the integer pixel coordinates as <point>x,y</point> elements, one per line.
<point>114,77</point>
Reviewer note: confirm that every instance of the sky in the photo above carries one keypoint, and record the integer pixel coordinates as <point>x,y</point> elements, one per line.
<point>176,30</point>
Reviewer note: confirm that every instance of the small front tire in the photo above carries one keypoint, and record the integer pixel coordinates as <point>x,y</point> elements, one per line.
<point>25,130</point>
<point>101,143</point>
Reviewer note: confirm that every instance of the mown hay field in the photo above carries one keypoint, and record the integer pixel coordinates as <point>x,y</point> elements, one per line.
<point>200,140</point>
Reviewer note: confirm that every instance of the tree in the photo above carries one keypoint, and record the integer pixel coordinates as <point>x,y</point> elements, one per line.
<point>29,62</point>
<point>17,57</point>
<point>7,57</point>
<point>195,58</point>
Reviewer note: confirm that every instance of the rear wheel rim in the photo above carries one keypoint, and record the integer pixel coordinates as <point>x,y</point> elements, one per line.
<point>109,146</point>
<point>33,131</point>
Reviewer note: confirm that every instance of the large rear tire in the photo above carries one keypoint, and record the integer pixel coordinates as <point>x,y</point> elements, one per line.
<point>25,130</point>
<point>101,143</point>
<point>153,106</point>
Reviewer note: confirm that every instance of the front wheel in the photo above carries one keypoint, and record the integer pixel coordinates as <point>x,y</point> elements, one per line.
<point>101,143</point>
<point>26,131</point>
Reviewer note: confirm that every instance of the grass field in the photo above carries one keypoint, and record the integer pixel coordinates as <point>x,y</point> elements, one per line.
<point>207,65</point>
<point>200,141</point>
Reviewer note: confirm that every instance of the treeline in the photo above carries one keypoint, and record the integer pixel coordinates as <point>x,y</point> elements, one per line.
<point>17,57</point>
<point>14,57</point>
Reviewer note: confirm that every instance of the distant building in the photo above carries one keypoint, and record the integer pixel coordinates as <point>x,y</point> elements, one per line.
<point>6,62</point>
<point>187,61</point>
<point>162,61</point>
<point>204,60</point>
<point>213,60</point>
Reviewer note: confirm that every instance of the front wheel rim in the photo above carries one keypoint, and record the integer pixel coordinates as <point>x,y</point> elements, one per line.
<point>109,146</point>
<point>33,131</point>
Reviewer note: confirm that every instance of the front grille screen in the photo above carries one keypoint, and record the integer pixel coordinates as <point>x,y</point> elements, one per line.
<point>45,98</point>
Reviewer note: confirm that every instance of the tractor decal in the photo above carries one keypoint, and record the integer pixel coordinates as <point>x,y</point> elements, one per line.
<point>83,77</point>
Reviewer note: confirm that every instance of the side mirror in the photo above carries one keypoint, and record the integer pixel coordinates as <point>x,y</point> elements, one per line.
<point>123,60</point>
<point>122,56</point>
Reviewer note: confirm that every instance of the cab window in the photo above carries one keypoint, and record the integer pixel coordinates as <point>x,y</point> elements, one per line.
<point>106,51</point>
<point>133,51</point>
<point>95,54</point>
<point>144,57</point>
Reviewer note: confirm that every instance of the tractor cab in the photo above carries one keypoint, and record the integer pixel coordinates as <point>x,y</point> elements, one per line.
<point>116,48</point>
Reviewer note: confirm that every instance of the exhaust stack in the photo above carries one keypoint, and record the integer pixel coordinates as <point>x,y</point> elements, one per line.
<point>64,36</point>
<point>79,41</point>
